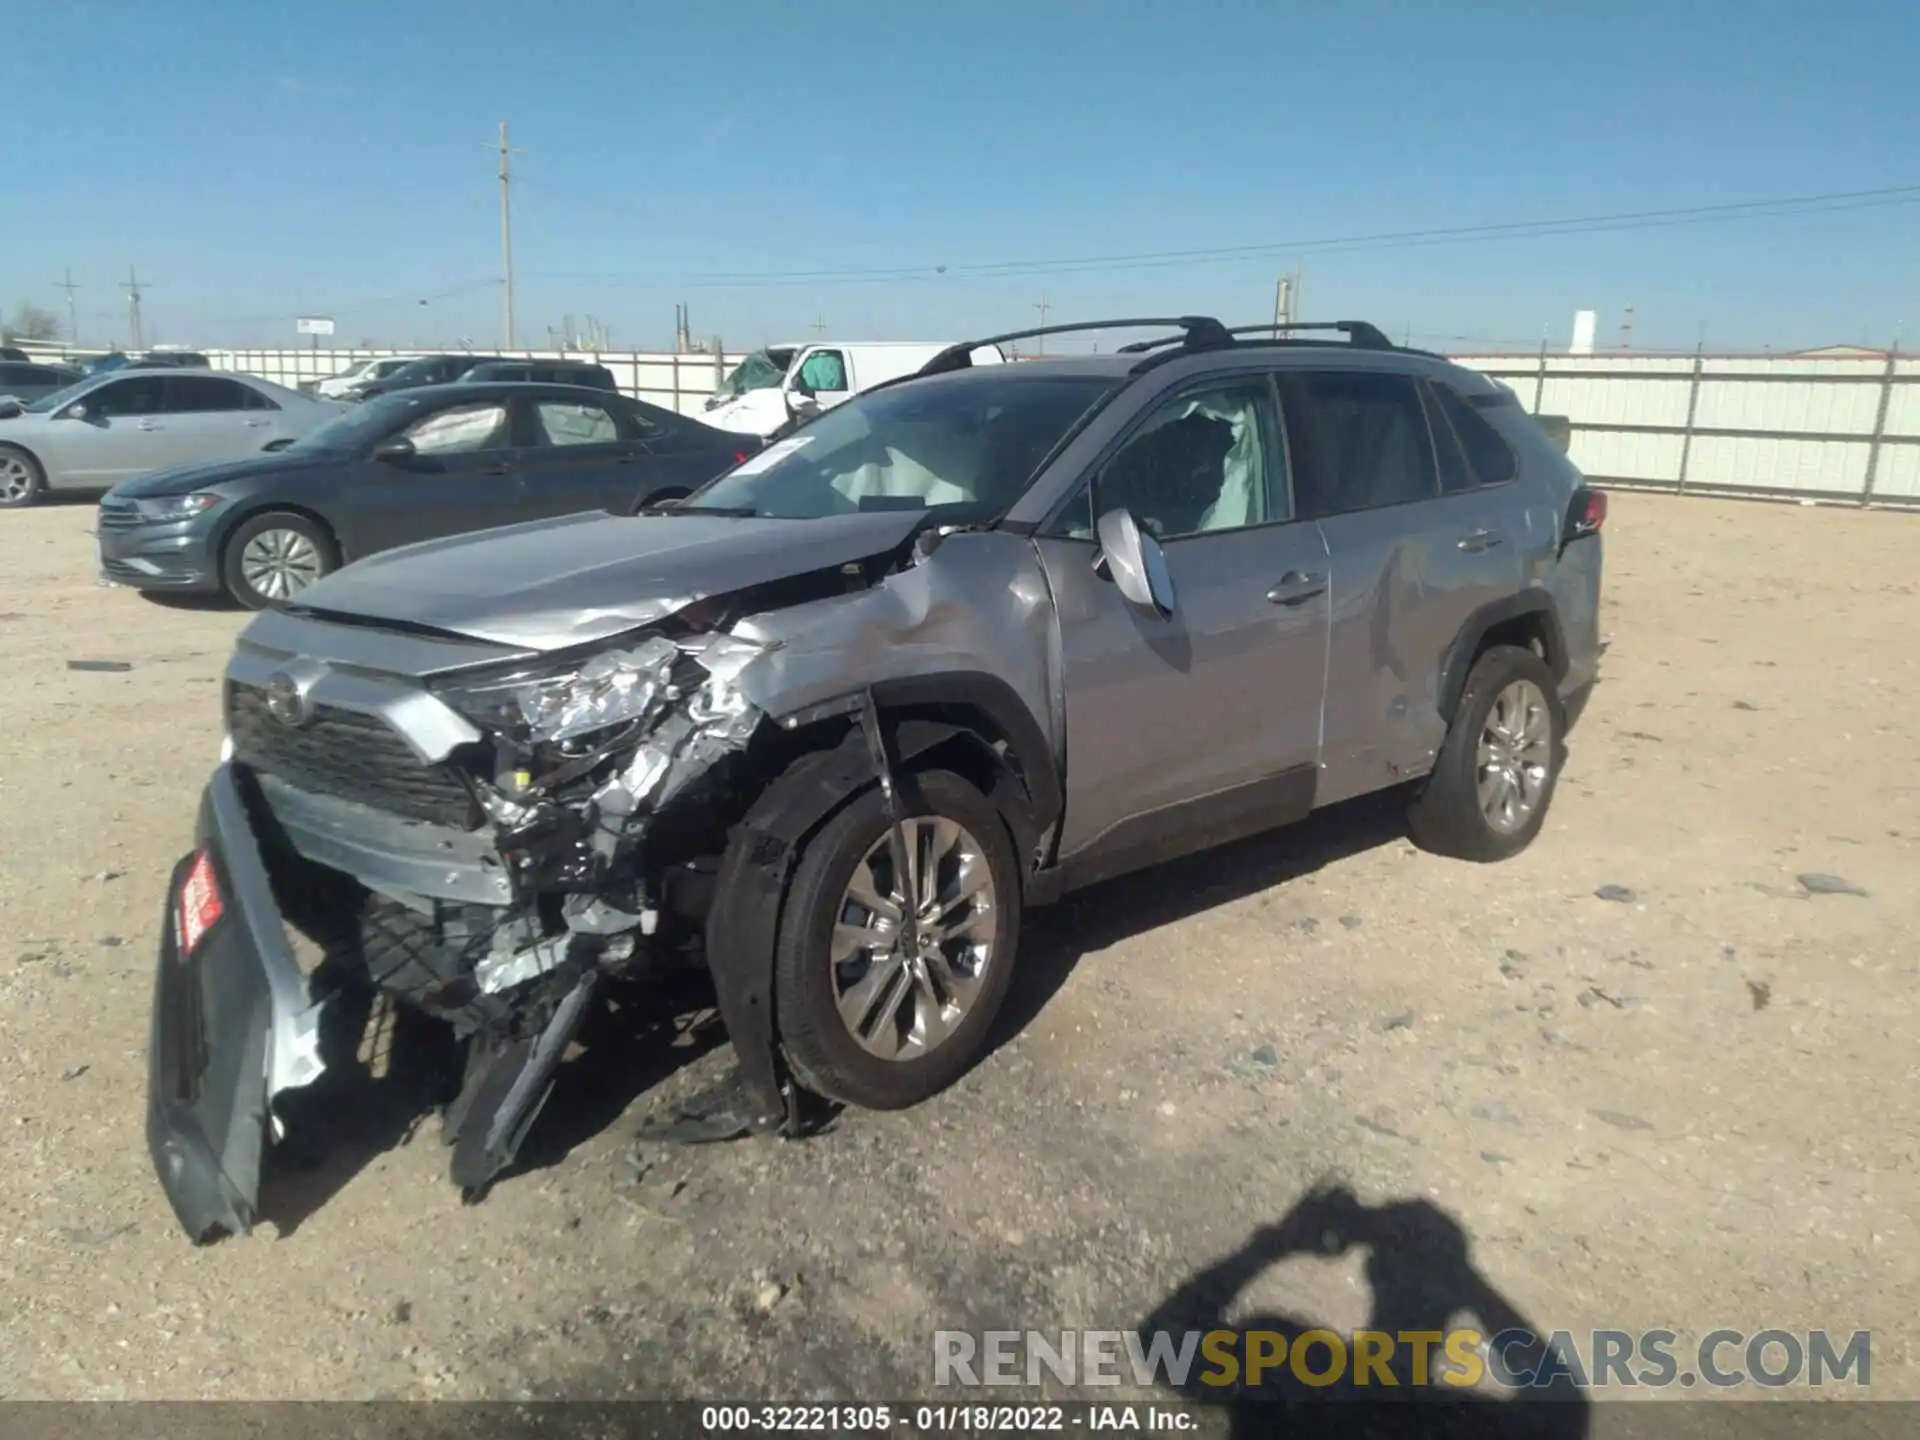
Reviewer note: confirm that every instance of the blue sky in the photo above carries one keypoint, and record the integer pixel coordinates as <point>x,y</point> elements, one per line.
<point>257,161</point>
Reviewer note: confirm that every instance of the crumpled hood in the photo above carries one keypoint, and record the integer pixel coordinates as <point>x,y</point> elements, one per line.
<point>184,479</point>
<point>550,584</point>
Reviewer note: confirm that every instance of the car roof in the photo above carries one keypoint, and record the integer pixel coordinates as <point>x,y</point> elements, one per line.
<point>468,389</point>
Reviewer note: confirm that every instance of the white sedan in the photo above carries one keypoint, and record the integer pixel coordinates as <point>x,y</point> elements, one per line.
<point>111,427</point>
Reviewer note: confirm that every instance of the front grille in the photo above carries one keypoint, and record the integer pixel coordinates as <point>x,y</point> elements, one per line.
<point>117,515</point>
<point>347,755</point>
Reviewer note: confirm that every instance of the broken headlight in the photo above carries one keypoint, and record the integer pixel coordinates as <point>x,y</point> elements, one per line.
<point>583,697</point>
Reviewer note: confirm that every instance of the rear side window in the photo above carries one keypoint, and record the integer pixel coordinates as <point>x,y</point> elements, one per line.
<point>1489,460</point>
<point>195,394</point>
<point>1359,441</point>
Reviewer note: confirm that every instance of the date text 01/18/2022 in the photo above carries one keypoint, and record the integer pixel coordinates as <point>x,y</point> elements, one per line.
<point>942,1419</point>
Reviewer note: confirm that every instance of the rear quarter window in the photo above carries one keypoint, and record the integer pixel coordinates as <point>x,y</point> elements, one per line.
<point>1488,456</point>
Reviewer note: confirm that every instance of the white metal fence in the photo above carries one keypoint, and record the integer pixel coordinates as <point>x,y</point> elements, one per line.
<point>1800,427</point>
<point>674,382</point>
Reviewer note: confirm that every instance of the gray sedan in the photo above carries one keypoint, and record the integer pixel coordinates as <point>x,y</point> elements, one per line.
<point>112,427</point>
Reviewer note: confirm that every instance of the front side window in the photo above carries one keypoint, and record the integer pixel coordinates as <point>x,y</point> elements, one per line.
<point>1206,460</point>
<point>968,445</point>
<point>562,422</point>
<point>136,395</point>
<point>460,430</point>
<point>823,372</point>
<point>1359,441</point>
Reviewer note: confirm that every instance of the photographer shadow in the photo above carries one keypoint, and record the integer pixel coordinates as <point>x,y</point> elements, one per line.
<point>1422,1277</point>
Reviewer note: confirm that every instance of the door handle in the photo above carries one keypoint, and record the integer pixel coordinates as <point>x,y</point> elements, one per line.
<point>500,469</point>
<point>257,424</point>
<point>1296,587</point>
<point>148,425</point>
<point>1479,540</point>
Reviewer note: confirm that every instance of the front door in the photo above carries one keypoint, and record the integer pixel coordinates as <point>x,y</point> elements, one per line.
<point>461,476</point>
<point>1188,729</point>
<point>122,434</point>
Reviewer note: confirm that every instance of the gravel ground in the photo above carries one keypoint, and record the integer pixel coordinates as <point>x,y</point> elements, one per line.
<point>1651,1076</point>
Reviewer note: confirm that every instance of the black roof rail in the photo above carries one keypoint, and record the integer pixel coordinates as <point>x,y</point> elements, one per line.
<point>1195,331</point>
<point>1359,333</point>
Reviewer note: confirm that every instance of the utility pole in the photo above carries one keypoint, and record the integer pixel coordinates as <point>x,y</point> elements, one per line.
<point>73,316</point>
<point>819,326</point>
<point>506,234</point>
<point>1043,305</point>
<point>1626,328</point>
<point>133,305</point>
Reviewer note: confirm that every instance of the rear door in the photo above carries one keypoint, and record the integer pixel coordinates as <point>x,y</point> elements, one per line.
<point>581,455</point>
<point>1410,565</point>
<point>462,476</point>
<point>214,417</point>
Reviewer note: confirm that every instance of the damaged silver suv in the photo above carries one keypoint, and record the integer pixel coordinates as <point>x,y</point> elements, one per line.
<point>826,727</point>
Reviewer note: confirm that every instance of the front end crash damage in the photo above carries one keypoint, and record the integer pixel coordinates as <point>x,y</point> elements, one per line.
<point>632,803</point>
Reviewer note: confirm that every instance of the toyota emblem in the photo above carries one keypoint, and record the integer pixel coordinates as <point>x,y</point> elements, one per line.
<point>287,702</point>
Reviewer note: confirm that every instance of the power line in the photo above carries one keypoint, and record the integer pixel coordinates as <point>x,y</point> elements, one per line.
<point>1831,203</point>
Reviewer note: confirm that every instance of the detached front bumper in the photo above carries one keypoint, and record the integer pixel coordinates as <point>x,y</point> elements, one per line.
<point>233,1024</point>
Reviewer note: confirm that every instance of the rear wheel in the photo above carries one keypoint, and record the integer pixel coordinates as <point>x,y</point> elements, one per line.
<point>273,557</point>
<point>1494,778</point>
<point>22,481</point>
<point>887,981</point>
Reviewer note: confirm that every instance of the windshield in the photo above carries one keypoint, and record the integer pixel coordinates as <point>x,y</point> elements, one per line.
<point>46,404</point>
<point>759,371</point>
<point>362,425</point>
<point>965,447</point>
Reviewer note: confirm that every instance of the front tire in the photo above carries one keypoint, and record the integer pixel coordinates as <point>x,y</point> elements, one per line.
<point>271,558</point>
<point>1495,775</point>
<point>866,1017</point>
<point>22,480</point>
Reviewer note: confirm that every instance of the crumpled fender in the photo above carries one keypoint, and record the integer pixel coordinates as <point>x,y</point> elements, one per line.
<point>743,927</point>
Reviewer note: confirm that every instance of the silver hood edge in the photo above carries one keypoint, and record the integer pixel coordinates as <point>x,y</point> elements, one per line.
<point>552,584</point>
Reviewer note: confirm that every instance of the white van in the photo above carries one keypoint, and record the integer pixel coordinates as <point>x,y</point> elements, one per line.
<point>772,386</point>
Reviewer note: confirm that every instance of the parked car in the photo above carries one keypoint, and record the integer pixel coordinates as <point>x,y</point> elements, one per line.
<point>178,359</point>
<point>413,466</point>
<point>15,354</point>
<point>101,364</point>
<point>421,370</point>
<point>969,641</point>
<point>817,378</point>
<point>341,386</point>
<point>25,382</point>
<point>113,426</point>
<point>545,372</point>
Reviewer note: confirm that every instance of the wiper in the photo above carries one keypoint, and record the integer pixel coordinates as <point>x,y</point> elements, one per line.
<point>674,507</point>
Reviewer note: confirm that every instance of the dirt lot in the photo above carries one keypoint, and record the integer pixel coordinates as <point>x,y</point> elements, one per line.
<point>1692,1106</point>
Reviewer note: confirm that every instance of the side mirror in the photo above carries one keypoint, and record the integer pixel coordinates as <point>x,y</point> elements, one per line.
<point>10,406</point>
<point>803,405</point>
<point>1135,562</point>
<point>797,385</point>
<point>73,412</point>
<point>395,451</point>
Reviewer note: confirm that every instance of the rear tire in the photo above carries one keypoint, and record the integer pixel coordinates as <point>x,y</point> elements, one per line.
<point>22,480</point>
<point>1494,778</point>
<point>942,994</point>
<point>271,558</point>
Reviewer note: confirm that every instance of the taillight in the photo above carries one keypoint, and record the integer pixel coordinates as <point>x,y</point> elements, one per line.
<point>1585,514</point>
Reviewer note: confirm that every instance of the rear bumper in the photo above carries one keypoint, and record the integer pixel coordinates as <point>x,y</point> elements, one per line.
<point>234,1028</point>
<point>174,556</point>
